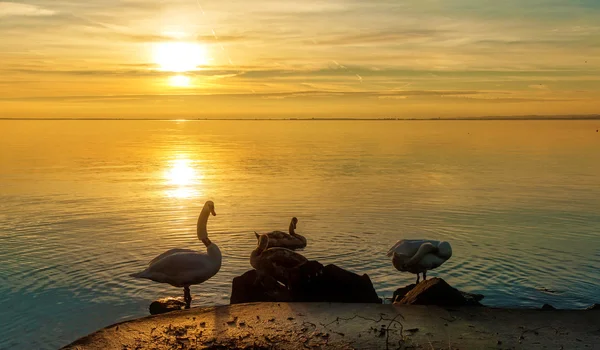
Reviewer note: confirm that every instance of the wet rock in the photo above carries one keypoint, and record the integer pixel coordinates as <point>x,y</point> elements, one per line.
<point>310,282</point>
<point>595,307</point>
<point>313,282</point>
<point>165,305</point>
<point>471,299</point>
<point>247,289</point>
<point>548,307</point>
<point>436,291</point>
<point>402,291</point>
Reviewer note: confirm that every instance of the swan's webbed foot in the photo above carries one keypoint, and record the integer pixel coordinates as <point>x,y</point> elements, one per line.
<point>187,297</point>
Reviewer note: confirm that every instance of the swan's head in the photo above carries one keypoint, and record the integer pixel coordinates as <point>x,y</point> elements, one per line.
<point>294,222</point>
<point>211,206</point>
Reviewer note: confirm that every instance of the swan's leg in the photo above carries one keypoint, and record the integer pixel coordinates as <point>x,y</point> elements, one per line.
<point>424,275</point>
<point>187,297</point>
<point>418,278</point>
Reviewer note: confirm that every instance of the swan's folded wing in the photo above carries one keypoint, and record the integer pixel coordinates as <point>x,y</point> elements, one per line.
<point>402,247</point>
<point>178,263</point>
<point>170,252</point>
<point>278,235</point>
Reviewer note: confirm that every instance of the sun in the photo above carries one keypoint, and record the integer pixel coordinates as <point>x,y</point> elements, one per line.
<point>180,81</point>
<point>179,56</point>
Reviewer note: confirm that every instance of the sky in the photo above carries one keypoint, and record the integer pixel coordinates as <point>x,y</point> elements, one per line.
<point>298,59</point>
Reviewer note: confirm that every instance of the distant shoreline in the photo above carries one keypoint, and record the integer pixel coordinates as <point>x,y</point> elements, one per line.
<point>502,118</point>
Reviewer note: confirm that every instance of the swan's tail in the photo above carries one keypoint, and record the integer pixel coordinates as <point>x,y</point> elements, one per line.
<point>257,235</point>
<point>139,275</point>
<point>394,247</point>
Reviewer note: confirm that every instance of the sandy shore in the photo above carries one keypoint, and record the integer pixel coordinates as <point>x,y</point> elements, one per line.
<point>351,326</point>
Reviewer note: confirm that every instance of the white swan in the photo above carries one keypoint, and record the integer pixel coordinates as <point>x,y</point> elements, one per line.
<point>419,255</point>
<point>185,267</point>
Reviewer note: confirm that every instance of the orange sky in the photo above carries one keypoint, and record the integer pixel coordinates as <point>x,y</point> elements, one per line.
<point>268,58</point>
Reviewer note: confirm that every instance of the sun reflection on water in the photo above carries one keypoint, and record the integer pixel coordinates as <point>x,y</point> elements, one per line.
<point>183,179</point>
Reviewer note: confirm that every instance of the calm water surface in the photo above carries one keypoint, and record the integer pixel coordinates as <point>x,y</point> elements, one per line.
<point>85,203</point>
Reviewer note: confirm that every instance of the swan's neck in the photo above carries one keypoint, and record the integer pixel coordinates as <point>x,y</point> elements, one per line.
<point>201,226</point>
<point>214,252</point>
<point>256,253</point>
<point>295,235</point>
<point>263,243</point>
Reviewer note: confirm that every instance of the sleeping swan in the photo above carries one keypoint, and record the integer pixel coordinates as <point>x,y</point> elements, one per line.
<point>419,255</point>
<point>185,267</point>
<point>284,240</point>
<point>274,262</point>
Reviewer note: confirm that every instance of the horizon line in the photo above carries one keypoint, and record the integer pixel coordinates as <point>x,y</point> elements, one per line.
<point>483,118</point>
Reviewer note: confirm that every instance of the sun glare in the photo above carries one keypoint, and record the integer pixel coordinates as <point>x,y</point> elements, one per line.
<point>183,179</point>
<point>181,173</point>
<point>179,56</point>
<point>179,81</point>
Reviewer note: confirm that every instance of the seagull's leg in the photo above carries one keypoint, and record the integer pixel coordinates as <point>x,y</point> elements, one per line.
<point>187,297</point>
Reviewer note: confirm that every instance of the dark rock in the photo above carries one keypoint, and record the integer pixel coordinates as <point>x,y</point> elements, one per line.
<point>247,289</point>
<point>313,282</point>
<point>165,305</point>
<point>310,282</point>
<point>471,298</point>
<point>595,307</point>
<point>402,291</point>
<point>548,307</point>
<point>436,291</point>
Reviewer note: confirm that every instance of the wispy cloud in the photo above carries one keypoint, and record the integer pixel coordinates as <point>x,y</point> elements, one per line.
<point>14,9</point>
<point>346,54</point>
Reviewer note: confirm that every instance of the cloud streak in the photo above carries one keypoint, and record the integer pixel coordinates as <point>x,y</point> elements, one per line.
<point>323,56</point>
<point>14,9</point>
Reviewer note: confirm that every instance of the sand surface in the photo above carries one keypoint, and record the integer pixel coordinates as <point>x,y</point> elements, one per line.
<point>351,326</point>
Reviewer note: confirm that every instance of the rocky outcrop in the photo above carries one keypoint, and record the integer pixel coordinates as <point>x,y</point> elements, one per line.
<point>310,282</point>
<point>165,305</point>
<point>595,307</point>
<point>548,307</point>
<point>435,291</point>
<point>402,291</point>
<point>247,289</point>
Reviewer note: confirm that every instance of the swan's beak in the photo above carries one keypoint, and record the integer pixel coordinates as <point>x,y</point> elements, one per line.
<point>213,213</point>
